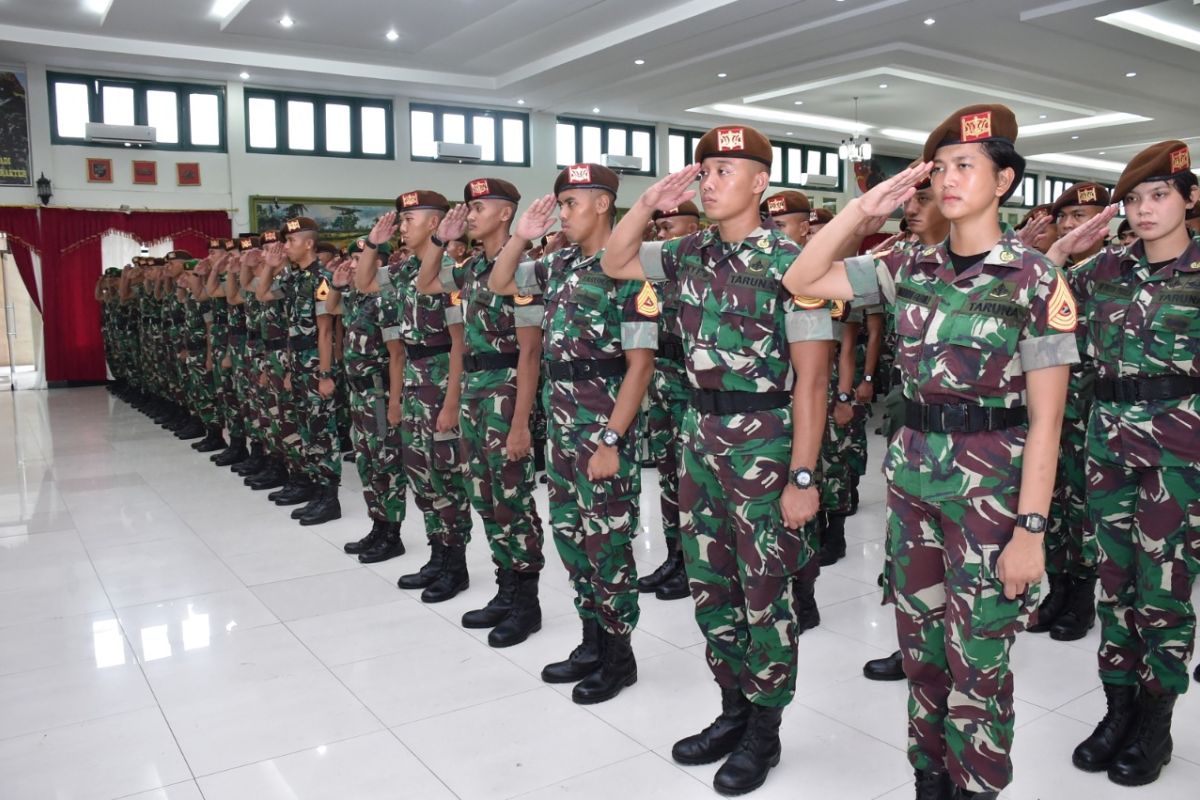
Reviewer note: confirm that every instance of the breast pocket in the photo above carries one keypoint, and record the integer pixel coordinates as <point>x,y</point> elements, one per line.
<point>1105,319</point>
<point>1173,337</point>
<point>586,312</point>
<point>979,351</point>
<point>747,324</point>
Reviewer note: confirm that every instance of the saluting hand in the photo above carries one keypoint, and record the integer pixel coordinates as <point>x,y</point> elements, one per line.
<point>343,273</point>
<point>537,219</point>
<point>886,196</point>
<point>672,190</point>
<point>385,228</point>
<point>273,256</point>
<point>1083,238</point>
<point>1034,229</point>
<point>454,224</point>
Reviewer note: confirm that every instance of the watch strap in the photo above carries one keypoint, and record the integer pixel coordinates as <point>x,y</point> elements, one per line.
<point>437,241</point>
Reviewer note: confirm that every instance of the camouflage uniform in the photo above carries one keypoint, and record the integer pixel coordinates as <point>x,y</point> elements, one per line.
<point>1142,464</point>
<point>668,402</point>
<point>856,447</point>
<point>279,410</point>
<point>501,490</point>
<point>305,291</point>
<point>222,379</point>
<point>238,417</point>
<point>736,321</point>
<point>591,321</point>
<point>952,497</point>
<point>432,460</point>
<point>197,377</point>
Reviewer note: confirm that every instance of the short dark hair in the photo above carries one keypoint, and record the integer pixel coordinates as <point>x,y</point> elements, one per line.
<point>1184,182</point>
<point>1003,155</point>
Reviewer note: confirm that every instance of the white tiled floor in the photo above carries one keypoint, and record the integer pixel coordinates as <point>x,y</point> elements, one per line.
<point>167,634</point>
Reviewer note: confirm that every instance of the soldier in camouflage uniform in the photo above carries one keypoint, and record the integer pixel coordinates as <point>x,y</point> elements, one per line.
<point>239,413</point>
<point>283,466</point>
<point>984,344</point>
<point>1069,609</point>
<point>258,364</point>
<point>1143,457</point>
<point>502,365</point>
<point>746,486</point>
<point>598,345</point>
<point>668,403</point>
<point>216,314</point>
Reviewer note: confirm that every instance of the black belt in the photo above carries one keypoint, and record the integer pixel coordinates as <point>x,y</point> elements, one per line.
<point>581,370</point>
<point>415,352</point>
<point>725,403</point>
<point>302,342</point>
<point>486,361</point>
<point>670,348</point>
<point>1140,389</point>
<point>274,344</point>
<point>365,383</point>
<point>961,417</point>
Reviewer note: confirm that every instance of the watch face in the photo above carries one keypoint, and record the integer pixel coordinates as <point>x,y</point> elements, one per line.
<point>610,438</point>
<point>802,478</point>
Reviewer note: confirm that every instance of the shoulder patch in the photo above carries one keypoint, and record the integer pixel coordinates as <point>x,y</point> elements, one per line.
<point>807,303</point>
<point>456,298</point>
<point>522,299</point>
<point>322,292</point>
<point>1061,310</point>
<point>647,301</point>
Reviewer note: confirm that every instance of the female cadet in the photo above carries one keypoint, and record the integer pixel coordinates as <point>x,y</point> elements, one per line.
<point>1143,457</point>
<point>985,333</point>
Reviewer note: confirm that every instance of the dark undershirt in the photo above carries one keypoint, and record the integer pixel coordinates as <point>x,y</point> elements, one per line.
<point>1156,267</point>
<point>964,263</point>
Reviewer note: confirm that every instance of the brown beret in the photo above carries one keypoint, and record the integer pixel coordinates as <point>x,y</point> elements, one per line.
<point>789,202</point>
<point>490,189</point>
<point>820,216</point>
<point>229,245</point>
<point>297,224</point>
<point>1159,162</point>
<point>685,209</point>
<point>269,237</point>
<point>979,123</point>
<point>1081,194</point>
<point>1044,208</point>
<point>247,242</point>
<point>179,255</point>
<point>422,200</point>
<point>735,141</point>
<point>327,247</point>
<point>587,176</point>
<point>216,244</point>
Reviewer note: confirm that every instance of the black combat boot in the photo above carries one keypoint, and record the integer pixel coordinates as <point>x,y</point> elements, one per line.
<point>328,508</point>
<point>233,454</point>
<point>273,476</point>
<point>833,539</point>
<point>524,618</point>
<point>214,441</point>
<point>721,736</point>
<point>428,572</point>
<point>498,607</point>
<point>252,464</point>
<point>676,586</point>
<point>747,766</point>
<point>1148,750</point>
<point>386,546</point>
<point>364,544</point>
<point>808,616</point>
<point>618,669</point>
<point>674,561</point>
<point>1196,674</point>
<point>583,661</point>
<point>1054,604</point>
<point>1096,753</point>
<point>297,491</point>
<point>452,578</point>
<point>194,429</point>
<point>1080,614</point>
<point>934,785</point>
<point>890,668</point>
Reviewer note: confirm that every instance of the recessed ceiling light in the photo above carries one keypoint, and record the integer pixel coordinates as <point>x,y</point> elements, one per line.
<point>1076,136</point>
<point>1100,153</point>
<point>287,21</point>
<point>883,86</point>
<point>1130,74</point>
<point>722,74</point>
<point>930,20</point>
<point>798,102</point>
<point>244,76</point>
<point>595,111</point>
<point>521,101</point>
<point>98,6</point>
<point>639,61</point>
<point>1041,116</point>
<point>392,35</point>
<point>791,133</point>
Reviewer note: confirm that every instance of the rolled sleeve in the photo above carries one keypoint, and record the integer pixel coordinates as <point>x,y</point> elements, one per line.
<point>639,335</point>
<point>651,256</point>
<point>809,326</point>
<point>1055,350</point>
<point>529,316</point>
<point>391,334</point>
<point>526,278</point>
<point>454,315</point>
<point>446,276</point>
<point>383,277</point>
<point>863,274</point>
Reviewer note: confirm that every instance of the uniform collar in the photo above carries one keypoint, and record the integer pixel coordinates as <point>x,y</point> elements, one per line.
<point>759,239</point>
<point>1008,252</point>
<point>1188,261</point>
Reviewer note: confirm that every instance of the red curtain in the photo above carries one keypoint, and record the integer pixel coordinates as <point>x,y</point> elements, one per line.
<point>24,237</point>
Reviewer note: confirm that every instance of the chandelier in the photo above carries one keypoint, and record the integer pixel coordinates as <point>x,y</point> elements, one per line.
<point>855,149</point>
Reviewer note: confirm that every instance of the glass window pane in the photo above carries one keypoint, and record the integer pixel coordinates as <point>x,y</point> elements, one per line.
<point>162,113</point>
<point>812,160</point>
<point>117,102</point>
<point>484,135</point>
<point>776,165</point>
<point>205,112</point>
<point>513,131</point>
<point>591,144</point>
<point>71,109</point>
<point>262,123</point>
<point>375,131</point>
<point>421,129</point>
<point>642,147</point>
<point>337,128</point>
<point>454,128</point>
<point>564,144</point>
<point>795,164</point>
<point>616,142</point>
<point>676,152</point>
<point>833,166</point>
<point>300,132</point>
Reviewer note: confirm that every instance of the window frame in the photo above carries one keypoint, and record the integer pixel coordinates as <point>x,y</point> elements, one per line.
<point>579,123</point>
<point>183,91</point>
<point>319,101</point>
<point>692,137</point>
<point>469,113</point>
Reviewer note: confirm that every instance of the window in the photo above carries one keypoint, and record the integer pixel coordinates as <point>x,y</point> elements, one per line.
<point>184,116</point>
<point>589,140</point>
<point>1028,192</point>
<point>791,162</point>
<point>1053,186</point>
<point>502,136</point>
<point>293,123</point>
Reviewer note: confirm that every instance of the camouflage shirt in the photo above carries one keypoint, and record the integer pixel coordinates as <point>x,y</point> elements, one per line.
<point>490,321</point>
<point>736,321</point>
<point>305,291</point>
<point>364,316</point>
<point>423,319</point>
<point>968,338</point>
<point>1144,322</point>
<point>1081,386</point>
<point>589,317</point>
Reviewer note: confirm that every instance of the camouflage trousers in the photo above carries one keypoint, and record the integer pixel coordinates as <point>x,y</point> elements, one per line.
<point>316,424</point>
<point>241,414</point>
<point>594,523</point>
<point>378,449</point>
<point>668,399</point>
<point>258,396</point>
<point>956,630</point>
<point>1070,542</point>
<point>223,396</point>
<point>856,442</point>
<point>1147,525</point>
<point>199,388</point>
<point>835,467</point>
<point>501,491</point>
<point>434,466</point>
<point>739,558</point>
<point>279,411</point>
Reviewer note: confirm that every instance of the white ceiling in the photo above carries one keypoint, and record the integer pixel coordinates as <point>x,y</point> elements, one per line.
<point>1052,61</point>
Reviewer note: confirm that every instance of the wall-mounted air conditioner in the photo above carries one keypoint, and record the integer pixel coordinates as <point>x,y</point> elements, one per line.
<point>622,164</point>
<point>119,134</point>
<point>460,153</point>
<point>820,181</point>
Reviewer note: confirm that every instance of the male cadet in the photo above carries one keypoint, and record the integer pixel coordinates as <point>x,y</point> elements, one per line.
<point>310,367</point>
<point>790,211</point>
<point>188,335</point>
<point>279,417</point>
<point>818,219</point>
<point>750,438</point>
<point>668,402</point>
<point>502,365</point>
<point>1069,610</point>
<point>217,315</point>
<point>240,417</point>
<point>257,367</point>
<point>599,343</point>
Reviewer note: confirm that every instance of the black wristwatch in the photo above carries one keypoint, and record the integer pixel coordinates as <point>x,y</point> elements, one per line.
<point>436,241</point>
<point>370,244</point>
<point>802,478</point>
<point>325,375</point>
<point>610,437</point>
<point>843,397</point>
<point>1034,523</point>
